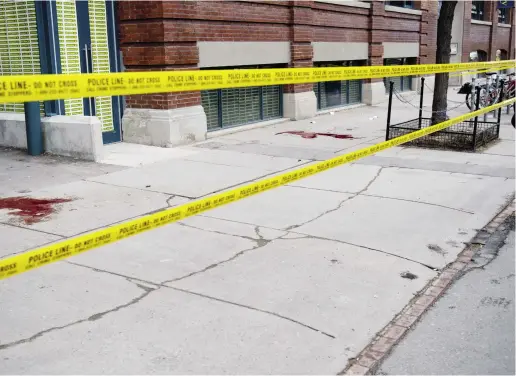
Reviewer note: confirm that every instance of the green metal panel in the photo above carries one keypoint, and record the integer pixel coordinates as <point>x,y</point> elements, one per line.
<point>271,98</point>
<point>355,91</point>
<point>350,91</point>
<point>210,103</point>
<point>100,58</point>
<point>19,51</point>
<point>240,106</point>
<point>232,107</point>
<point>69,47</point>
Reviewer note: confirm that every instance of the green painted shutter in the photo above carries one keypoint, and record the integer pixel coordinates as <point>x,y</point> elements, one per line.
<point>100,58</point>
<point>19,51</point>
<point>69,48</point>
<point>210,103</point>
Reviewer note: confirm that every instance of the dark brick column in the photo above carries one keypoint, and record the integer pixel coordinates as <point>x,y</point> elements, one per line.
<point>150,43</point>
<point>493,17</point>
<point>428,32</point>
<point>301,51</point>
<point>299,101</point>
<point>373,90</point>
<point>466,36</point>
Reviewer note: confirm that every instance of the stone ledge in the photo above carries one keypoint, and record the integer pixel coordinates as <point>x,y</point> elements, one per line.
<point>165,128</point>
<point>70,136</point>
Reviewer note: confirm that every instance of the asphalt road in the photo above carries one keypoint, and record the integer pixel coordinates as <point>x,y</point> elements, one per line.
<point>470,330</point>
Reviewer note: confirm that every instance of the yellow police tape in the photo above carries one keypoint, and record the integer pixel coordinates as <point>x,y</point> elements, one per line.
<point>477,71</point>
<point>29,88</point>
<point>63,249</point>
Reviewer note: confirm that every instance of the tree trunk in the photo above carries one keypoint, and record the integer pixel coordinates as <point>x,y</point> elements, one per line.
<point>444,35</point>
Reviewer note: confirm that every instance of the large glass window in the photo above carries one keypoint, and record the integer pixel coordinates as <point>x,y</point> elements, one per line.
<point>477,10</point>
<point>503,15</point>
<point>402,4</point>
<point>402,83</point>
<point>338,93</point>
<point>239,106</point>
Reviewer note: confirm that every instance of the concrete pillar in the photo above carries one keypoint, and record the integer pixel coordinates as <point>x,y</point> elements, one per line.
<point>148,44</point>
<point>299,101</point>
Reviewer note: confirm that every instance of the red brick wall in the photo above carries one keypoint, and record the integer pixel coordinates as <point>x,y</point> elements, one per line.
<point>479,37</point>
<point>162,35</point>
<point>488,38</point>
<point>428,32</point>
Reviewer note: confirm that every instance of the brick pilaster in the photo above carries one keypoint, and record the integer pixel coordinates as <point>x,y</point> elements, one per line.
<point>466,32</point>
<point>376,35</point>
<point>151,43</point>
<point>512,40</point>
<point>301,50</point>
<point>428,32</point>
<point>493,17</point>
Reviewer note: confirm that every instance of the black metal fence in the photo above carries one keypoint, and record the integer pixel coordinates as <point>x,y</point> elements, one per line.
<point>467,135</point>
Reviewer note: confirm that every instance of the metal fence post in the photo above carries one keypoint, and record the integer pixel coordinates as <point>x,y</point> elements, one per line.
<point>421,102</point>
<point>33,128</point>
<point>475,123</point>
<point>389,108</point>
<point>500,99</point>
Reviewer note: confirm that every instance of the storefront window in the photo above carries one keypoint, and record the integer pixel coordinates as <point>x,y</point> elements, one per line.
<point>477,10</point>
<point>401,4</point>
<point>403,83</point>
<point>503,15</point>
<point>338,93</point>
<point>238,106</point>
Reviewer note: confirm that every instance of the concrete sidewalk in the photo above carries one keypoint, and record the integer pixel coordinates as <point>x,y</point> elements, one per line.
<point>295,280</point>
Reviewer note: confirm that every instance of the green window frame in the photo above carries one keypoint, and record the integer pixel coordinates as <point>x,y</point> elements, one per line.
<point>401,83</point>
<point>345,93</point>
<point>19,45</point>
<point>232,107</point>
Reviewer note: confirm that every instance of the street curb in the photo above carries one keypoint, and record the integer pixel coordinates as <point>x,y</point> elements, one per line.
<point>371,357</point>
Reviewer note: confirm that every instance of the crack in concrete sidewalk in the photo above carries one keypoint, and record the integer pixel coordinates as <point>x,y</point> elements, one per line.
<point>94,317</point>
<point>260,243</point>
<point>340,204</point>
<point>147,291</point>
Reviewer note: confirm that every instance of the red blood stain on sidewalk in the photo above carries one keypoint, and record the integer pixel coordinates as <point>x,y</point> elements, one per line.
<point>31,210</point>
<point>315,134</point>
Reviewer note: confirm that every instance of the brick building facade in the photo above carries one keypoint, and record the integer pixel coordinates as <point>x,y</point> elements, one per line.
<point>98,35</point>
<point>161,35</point>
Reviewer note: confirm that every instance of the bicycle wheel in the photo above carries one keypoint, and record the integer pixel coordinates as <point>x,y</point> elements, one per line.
<point>471,98</point>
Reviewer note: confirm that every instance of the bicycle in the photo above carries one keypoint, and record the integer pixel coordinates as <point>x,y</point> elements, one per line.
<point>489,90</point>
<point>470,89</point>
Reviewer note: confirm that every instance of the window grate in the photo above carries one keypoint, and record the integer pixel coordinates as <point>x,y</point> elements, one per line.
<point>100,59</point>
<point>69,47</point>
<point>271,98</point>
<point>239,106</point>
<point>19,49</point>
<point>401,83</point>
<point>210,103</point>
<point>338,93</point>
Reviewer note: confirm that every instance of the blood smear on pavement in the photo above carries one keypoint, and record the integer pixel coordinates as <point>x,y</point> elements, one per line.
<point>304,134</point>
<point>31,210</point>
